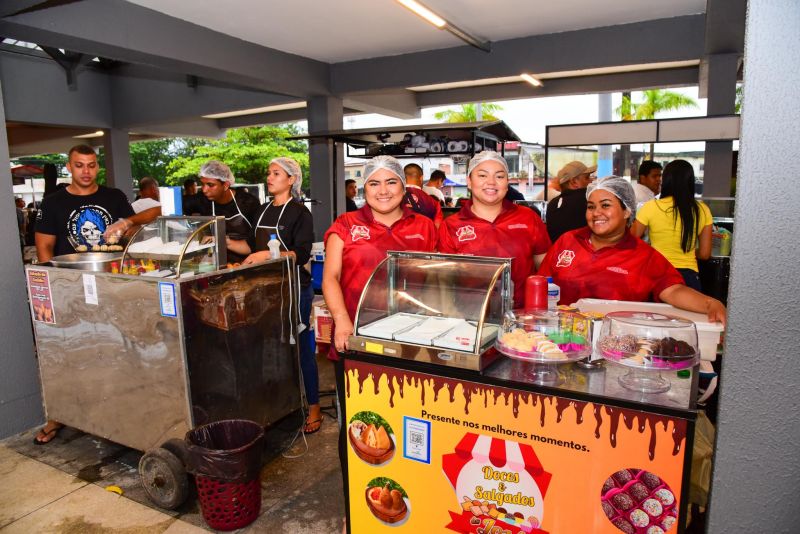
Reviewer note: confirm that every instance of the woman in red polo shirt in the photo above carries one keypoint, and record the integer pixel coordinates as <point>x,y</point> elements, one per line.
<point>490,225</point>
<point>358,241</point>
<point>605,261</point>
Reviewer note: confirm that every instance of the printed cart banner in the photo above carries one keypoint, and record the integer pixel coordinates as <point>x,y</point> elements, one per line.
<point>433,454</point>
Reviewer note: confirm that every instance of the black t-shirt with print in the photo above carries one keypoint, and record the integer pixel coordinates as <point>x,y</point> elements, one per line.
<point>84,217</point>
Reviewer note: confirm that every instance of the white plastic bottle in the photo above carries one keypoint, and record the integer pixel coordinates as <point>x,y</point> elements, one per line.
<point>553,294</point>
<point>274,247</point>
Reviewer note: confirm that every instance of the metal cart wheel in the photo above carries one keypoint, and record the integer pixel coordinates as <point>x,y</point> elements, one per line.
<point>164,478</point>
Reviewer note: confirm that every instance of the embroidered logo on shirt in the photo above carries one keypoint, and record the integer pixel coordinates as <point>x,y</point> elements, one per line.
<point>517,226</point>
<point>619,270</point>
<point>465,233</point>
<point>359,232</point>
<point>565,258</point>
<point>415,236</point>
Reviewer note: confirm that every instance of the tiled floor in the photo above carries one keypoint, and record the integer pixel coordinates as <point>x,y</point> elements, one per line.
<point>60,487</point>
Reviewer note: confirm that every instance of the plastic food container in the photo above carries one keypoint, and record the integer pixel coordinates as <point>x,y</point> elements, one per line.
<point>708,334</point>
<point>648,342</point>
<point>545,338</point>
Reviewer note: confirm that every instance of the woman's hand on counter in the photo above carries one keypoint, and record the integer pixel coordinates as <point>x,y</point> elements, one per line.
<point>239,246</point>
<point>343,331</point>
<point>716,311</point>
<point>256,257</point>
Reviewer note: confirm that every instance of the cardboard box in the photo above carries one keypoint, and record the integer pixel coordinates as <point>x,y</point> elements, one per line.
<point>322,321</point>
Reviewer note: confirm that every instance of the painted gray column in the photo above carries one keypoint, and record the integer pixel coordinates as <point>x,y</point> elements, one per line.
<point>118,160</point>
<point>326,163</point>
<point>20,397</point>
<point>721,72</point>
<point>605,163</point>
<point>757,464</point>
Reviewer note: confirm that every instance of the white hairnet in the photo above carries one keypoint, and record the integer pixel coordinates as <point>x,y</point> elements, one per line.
<point>216,170</point>
<point>384,162</point>
<point>292,168</point>
<point>620,188</point>
<point>486,155</point>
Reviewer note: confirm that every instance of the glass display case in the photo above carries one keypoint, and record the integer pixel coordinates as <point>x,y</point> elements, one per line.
<point>435,308</point>
<point>176,246</point>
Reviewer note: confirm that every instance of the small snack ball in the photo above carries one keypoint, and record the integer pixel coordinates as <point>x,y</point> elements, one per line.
<point>653,507</point>
<point>95,248</point>
<point>638,491</point>
<point>655,530</point>
<point>623,524</point>
<point>650,480</point>
<point>665,496</point>
<point>639,518</point>
<point>622,501</point>
<point>668,522</point>
<point>623,476</point>
<point>607,509</point>
<point>609,484</point>
<point>81,248</point>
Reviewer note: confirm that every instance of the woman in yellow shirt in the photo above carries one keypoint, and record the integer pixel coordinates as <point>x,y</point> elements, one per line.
<point>679,225</point>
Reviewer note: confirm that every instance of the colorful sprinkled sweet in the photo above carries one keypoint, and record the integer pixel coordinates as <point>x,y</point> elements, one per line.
<point>623,476</point>
<point>609,484</point>
<point>665,496</point>
<point>655,530</point>
<point>607,509</point>
<point>650,480</point>
<point>652,507</point>
<point>639,518</point>
<point>667,522</point>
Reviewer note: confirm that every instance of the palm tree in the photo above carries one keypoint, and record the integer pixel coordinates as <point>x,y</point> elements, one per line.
<point>469,113</point>
<point>658,100</point>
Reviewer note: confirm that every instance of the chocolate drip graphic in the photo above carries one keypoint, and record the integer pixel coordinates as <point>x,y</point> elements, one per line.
<point>398,379</point>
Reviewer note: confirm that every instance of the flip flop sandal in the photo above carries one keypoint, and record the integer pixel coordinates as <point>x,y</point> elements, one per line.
<point>311,423</point>
<point>46,436</point>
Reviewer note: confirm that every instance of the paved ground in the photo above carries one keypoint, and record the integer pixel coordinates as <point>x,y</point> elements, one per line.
<point>60,488</point>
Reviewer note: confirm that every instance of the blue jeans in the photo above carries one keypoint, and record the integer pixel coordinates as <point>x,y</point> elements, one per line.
<point>691,278</point>
<point>308,360</point>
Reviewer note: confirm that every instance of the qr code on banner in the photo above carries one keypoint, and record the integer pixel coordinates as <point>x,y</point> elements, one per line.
<point>417,439</point>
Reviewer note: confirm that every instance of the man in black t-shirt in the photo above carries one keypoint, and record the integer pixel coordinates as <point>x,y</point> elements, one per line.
<point>568,211</point>
<point>83,211</point>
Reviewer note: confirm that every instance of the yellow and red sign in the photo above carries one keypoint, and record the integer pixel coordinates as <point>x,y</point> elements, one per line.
<point>468,457</point>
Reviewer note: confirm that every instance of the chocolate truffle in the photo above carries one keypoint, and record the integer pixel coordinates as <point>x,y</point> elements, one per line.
<point>650,480</point>
<point>622,524</point>
<point>609,484</point>
<point>665,496</point>
<point>622,501</point>
<point>638,491</point>
<point>639,518</point>
<point>608,509</point>
<point>623,476</point>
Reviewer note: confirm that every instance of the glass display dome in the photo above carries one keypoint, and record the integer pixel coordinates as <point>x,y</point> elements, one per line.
<point>648,343</point>
<point>545,338</point>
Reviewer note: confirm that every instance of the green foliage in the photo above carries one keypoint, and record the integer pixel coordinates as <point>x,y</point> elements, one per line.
<point>371,418</point>
<point>380,482</point>
<point>150,158</point>
<point>655,102</point>
<point>247,151</point>
<point>469,113</point>
<point>739,97</point>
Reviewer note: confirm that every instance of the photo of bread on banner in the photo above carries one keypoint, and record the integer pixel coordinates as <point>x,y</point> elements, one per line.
<point>371,437</point>
<point>387,500</point>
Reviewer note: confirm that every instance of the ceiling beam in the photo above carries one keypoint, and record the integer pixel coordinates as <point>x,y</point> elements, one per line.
<point>654,41</point>
<point>127,32</point>
<point>272,117</point>
<point>601,83</point>
<point>724,32</point>
<point>400,103</point>
<point>13,7</point>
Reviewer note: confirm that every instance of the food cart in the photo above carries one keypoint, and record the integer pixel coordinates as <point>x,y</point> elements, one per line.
<point>441,433</point>
<point>179,341</point>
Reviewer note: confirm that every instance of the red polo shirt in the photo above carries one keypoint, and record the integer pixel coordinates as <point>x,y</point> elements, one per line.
<point>630,270</point>
<point>518,233</point>
<point>366,242</point>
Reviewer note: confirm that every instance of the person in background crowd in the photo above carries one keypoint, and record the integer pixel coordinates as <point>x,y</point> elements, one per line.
<point>605,261</point>
<point>649,184</point>
<point>291,223</point>
<point>350,192</point>
<point>189,187</point>
<point>190,198</point>
<point>148,199</point>
<point>238,207</point>
<point>553,190</point>
<point>513,194</point>
<point>491,225</point>
<point>22,219</point>
<point>82,213</point>
<point>435,184</point>
<point>358,241</point>
<point>679,225</point>
<point>568,211</point>
<point>417,199</point>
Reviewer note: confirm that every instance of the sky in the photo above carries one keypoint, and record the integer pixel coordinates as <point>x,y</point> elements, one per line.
<point>529,117</point>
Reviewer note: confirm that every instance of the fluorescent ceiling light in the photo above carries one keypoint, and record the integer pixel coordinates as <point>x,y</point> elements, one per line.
<point>531,80</point>
<point>424,12</point>
<point>253,111</point>
<point>443,24</point>
<point>98,133</point>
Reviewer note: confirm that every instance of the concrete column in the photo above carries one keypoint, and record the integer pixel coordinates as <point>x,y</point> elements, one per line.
<point>718,78</point>
<point>118,160</point>
<point>757,464</point>
<point>326,163</point>
<point>20,397</point>
<point>605,162</point>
